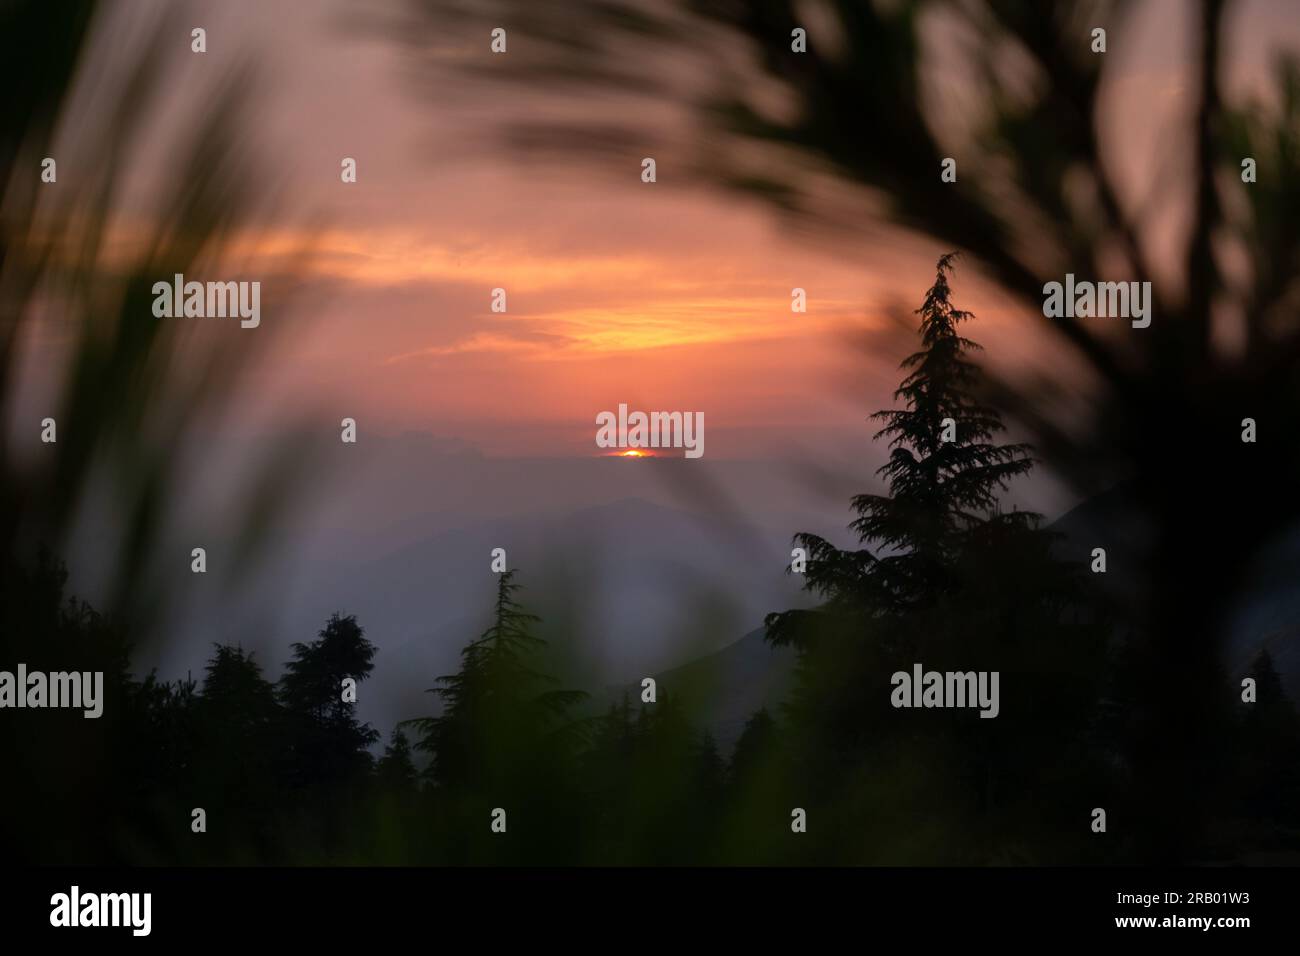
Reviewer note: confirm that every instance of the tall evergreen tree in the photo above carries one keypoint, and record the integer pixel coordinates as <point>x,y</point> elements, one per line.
<point>944,472</point>
<point>238,702</point>
<point>328,744</point>
<point>957,584</point>
<point>499,712</point>
<point>505,738</point>
<point>238,747</point>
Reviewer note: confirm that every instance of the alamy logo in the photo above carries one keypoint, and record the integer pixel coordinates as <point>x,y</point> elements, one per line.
<point>923,688</point>
<point>103,909</point>
<point>75,690</point>
<point>209,300</point>
<point>1087,300</point>
<point>652,430</point>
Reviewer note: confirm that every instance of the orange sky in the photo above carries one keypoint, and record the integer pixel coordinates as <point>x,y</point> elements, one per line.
<point>663,296</point>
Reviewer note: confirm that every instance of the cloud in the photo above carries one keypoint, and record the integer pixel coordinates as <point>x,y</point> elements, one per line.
<point>519,342</point>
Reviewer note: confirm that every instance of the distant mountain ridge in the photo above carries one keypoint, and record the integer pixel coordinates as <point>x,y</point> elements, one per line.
<point>722,690</point>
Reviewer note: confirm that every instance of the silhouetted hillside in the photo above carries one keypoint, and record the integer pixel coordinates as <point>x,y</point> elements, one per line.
<point>722,690</point>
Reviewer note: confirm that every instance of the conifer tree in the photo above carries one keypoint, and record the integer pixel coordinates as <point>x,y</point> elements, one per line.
<point>395,769</point>
<point>328,743</point>
<point>237,700</point>
<point>944,472</point>
<point>710,770</point>
<point>499,714</point>
<point>952,582</point>
<point>752,748</point>
<point>238,745</point>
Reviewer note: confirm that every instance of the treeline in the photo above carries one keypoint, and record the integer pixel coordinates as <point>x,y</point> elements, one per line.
<point>284,771</point>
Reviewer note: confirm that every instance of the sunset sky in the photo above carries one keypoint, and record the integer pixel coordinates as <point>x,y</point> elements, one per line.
<point>665,296</point>
<point>670,296</point>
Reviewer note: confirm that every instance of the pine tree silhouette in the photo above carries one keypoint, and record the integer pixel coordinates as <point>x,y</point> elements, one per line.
<point>497,709</point>
<point>954,583</point>
<point>239,703</point>
<point>939,490</point>
<point>395,769</point>
<point>505,738</point>
<point>328,744</point>
<point>753,747</point>
<point>238,749</point>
